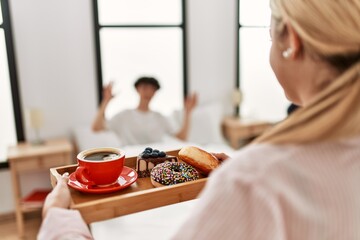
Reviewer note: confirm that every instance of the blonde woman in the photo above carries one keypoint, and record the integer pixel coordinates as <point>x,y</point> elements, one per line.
<point>300,180</point>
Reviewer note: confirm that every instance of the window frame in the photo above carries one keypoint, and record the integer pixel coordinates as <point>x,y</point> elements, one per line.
<point>98,27</point>
<point>238,59</point>
<point>10,51</point>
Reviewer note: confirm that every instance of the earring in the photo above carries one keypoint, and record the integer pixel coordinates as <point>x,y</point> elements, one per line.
<point>287,53</point>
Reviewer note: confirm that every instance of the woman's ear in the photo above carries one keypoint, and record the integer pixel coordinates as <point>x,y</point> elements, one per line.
<point>294,41</point>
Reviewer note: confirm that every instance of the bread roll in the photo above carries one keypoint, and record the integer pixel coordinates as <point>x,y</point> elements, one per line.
<point>198,158</point>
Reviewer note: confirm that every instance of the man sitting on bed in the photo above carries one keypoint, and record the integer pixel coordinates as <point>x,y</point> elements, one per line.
<point>142,125</point>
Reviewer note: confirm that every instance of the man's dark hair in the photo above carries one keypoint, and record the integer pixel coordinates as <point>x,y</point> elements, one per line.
<point>292,108</point>
<point>147,80</point>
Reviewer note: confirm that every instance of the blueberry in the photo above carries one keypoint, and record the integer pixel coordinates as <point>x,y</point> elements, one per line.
<point>145,155</point>
<point>148,149</point>
<point>155,150</point>
<point>154,155</point>
<point>162,154</point>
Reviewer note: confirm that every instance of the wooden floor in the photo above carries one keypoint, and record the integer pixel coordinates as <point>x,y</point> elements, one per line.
<point>8,230</point>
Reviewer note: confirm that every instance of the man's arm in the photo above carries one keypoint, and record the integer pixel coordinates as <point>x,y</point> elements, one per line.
<point>99,123</point>
<point>190,103</point>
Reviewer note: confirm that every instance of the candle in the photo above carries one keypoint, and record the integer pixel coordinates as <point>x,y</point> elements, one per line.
<point>36,118</point>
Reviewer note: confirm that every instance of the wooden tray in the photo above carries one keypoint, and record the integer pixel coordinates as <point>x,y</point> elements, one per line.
<point>138,197</point>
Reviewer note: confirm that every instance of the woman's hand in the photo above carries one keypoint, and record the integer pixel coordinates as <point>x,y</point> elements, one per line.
<point>59,196</point>
<point>221,156</point>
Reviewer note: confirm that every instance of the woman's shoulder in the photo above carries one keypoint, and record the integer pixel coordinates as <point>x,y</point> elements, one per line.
<point>274,153</point>
<point>257,160</point>
<point>263,161</point>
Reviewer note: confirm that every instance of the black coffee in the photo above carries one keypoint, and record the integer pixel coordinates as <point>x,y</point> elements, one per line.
<point>101,156</point>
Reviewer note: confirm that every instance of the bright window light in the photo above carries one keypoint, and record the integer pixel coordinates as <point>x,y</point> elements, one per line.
<point>263,97</point>
<point>254,12</point>
<point>129,53</point>
<point>112,12</point>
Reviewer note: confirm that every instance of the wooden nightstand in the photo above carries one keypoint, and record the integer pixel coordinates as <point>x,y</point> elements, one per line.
<point>238,131</point>
<point>25,157</point>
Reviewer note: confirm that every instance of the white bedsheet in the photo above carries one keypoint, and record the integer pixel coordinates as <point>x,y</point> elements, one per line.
<point>170,143</point>
<point>155,224</point>
<point>85,139</point>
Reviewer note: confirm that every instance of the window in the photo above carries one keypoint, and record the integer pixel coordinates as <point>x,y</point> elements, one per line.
<point>263,97</point>
<point>141,38</point>
<point>11,129</point>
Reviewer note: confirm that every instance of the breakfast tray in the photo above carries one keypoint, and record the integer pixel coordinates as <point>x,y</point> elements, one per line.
<point>140,196</point>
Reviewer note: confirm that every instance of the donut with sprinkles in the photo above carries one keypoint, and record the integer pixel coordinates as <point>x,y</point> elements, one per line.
<point>171,173</point>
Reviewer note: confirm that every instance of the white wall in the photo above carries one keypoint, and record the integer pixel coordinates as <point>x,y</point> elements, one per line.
<point>6,194</point>
<point>54,46</point>
<point>55,59</point>
<point>212,30</point>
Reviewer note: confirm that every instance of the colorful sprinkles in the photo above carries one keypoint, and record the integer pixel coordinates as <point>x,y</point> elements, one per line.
<point>170,173</point>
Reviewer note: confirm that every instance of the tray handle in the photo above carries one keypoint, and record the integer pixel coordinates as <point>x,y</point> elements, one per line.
<point>58,171</point>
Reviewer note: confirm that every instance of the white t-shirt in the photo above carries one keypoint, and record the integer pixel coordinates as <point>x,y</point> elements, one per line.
<point>136,127</point>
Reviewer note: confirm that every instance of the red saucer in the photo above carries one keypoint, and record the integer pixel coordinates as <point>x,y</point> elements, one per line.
<point>127,177</point>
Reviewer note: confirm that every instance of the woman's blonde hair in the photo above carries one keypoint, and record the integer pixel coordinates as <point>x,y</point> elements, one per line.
<point>330,30</point>
<point>327,27</point>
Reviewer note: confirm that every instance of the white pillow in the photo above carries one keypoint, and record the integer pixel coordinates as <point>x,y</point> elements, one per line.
<point>85,138</point>
<point>205,125</point>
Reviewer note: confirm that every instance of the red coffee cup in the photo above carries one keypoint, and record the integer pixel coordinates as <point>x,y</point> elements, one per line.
<point>99,166</point>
